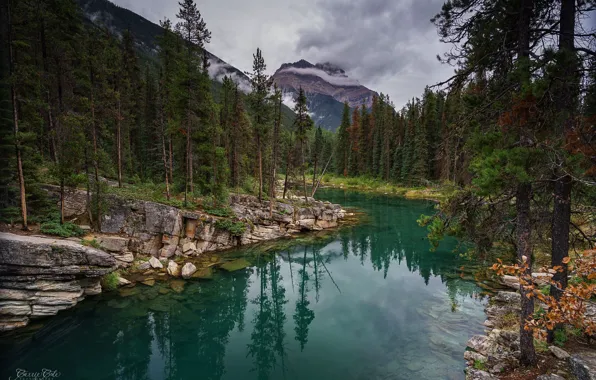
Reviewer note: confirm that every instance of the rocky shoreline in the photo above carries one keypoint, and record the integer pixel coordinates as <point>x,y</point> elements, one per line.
<point>497,352</point>
<point>41,275</point>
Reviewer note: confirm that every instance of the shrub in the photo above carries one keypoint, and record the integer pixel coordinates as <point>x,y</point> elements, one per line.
<point>234,228</point>
<point>560,337</point>
<point>109,281</point>
<point>479,365</point>
<point>64,230</point>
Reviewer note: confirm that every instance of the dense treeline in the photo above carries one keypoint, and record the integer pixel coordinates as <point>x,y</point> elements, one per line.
<point>521,135</point>
<point>408,146</point>
<point>82,103</point>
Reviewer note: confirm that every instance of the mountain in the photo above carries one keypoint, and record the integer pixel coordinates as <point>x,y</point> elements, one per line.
<point>327,87</point>
<point>117,19</point>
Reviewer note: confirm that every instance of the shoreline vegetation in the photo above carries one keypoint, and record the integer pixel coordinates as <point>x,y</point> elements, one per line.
<point>436,192</point>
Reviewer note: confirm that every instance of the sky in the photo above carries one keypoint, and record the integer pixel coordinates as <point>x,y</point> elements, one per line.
<point>389,46</point>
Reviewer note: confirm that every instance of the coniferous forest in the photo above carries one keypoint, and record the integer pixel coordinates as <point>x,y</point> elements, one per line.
<point>514,128</point>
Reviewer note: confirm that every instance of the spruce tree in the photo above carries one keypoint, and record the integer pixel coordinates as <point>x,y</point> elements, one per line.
<point>302,124</point>
<point>342,150</point>
<point>261,110</point>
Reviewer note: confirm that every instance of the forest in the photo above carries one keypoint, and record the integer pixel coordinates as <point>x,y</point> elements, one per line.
<point>514,129</point>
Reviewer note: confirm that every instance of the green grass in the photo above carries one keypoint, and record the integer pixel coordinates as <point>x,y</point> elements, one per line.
<point>91,243</point>
<point>436,192</point>
<point>560,336</point>
<point>109,282</point>
<point>541,345</point>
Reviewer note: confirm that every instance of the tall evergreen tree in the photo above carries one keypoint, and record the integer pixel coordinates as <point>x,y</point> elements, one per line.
<point>302,124</point>
<point>261,110</point>
<point>342,150</point>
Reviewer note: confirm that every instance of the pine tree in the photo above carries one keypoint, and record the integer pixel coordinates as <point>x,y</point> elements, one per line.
<point>193,29</point>
<point>342,152</point>
<point>317,152</point>
<point>261,110</point>
<point>302,124</point>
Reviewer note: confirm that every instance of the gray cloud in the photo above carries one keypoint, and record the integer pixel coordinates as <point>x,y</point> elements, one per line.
<point>333,79</point>
<point>386,45</point>
<point>390,46</point>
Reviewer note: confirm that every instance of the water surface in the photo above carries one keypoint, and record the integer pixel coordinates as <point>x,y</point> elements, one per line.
<point>367,302</point>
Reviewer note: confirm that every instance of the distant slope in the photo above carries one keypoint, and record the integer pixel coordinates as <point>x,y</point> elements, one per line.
<point>117,19</point>
<point>326,86</point>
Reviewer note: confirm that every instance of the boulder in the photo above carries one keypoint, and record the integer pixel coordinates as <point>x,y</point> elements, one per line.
<point>583,365</point>
<point>559,353</point>
<point>155,263</point>
<point>173,269</point>
<point>144,266</point>
<point>124,259</point>
<point>550,377</point>
<point>189,247</point>
<point>187,270</point>
<point>476,374</point>
<point>113,243</point>
<point>507,297</point>
<point>510,281</point>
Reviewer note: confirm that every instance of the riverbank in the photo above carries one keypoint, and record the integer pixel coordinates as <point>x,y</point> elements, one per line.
<point>433,192</point>
<point>495,354</point>
<point>143,241</point>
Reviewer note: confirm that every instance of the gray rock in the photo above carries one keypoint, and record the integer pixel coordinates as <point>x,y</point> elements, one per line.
<point>476,374</point>
<point>510,281</point>
<point>113,243</point>
<point>156,264</point>
<point>559,353</point>
<point>188,270</point>
<point>507,297</point>
<point>125,258</point>
<point>173,269</point>
<point>583,365</point>
<point>550,377</point>
<point>144,266</point>
<point>188,247</point>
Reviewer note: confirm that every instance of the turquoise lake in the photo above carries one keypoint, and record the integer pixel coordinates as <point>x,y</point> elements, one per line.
<point>364,302</point>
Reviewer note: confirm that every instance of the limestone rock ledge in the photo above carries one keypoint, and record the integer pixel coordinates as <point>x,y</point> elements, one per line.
<point>133,228</point>
<point>40,276</point>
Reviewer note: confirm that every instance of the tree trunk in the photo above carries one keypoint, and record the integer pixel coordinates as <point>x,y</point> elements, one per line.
<point>164,156</point>
<point>119,144</point>
<point>61,201</point>
<point>165,165</point>
<point>286,176</point>
<point>95,160</point>
<point>524,255</point>
<point>314,171</point>
<point>171,158</point>
<point>15,119</point>
<point>564,182</point>
<point>523,198</point>
<point>260,167</point>
<point>303,170</point>
<point>187,154</point>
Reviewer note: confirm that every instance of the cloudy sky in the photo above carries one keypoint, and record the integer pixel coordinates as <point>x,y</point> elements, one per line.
<point>387,45</point>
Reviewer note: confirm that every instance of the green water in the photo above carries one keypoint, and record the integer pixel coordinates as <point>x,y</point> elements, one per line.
<point>367,302</point>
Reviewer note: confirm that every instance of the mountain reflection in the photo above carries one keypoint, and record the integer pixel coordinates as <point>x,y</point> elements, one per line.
<point>238,325</point>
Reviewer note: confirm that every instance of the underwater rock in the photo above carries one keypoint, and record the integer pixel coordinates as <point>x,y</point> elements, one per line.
<point>232,266</point>
<point>188,269</point>
<point>177,285</point>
